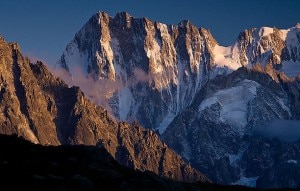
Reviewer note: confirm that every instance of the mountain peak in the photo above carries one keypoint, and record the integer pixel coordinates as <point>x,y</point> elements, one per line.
<point>123,19</point>
<point>184,23</point>
<point>41,108</point>
<point>14,46</point>
<point>123,15</point>
<point>102,14</point>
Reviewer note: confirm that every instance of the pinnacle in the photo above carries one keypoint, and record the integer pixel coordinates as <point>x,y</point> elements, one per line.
<point>123,15</point>
<point>184,23</point>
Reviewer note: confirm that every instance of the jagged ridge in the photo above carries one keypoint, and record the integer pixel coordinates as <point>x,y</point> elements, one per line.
<point>169,64</point>
<point>43,109</point>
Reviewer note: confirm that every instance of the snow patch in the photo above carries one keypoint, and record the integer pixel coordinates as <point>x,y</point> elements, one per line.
<point>226,60</point>
<point>166,122</point>
<point>233,103</point>
<point>126,100</point>
<point>292,161</point>
<point>75,59</point>
<point>245,181</point>
<point>227,57</point>
<point>264,31</point>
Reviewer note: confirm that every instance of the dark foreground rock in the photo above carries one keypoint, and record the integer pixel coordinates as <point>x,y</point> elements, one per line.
<point>28,166</point>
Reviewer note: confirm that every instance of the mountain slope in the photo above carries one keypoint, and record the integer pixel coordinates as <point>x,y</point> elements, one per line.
<point>80,167</point>
<point>210,103</point>
<point>151,71</point>
<point>234,125</point>
<point>43,109</point>
<point>138,55</point>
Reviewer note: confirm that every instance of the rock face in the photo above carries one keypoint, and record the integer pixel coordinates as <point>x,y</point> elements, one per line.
<point>208,102</point>
<point>155,70</point>
<point>230,131</point>
<point>43,109</point>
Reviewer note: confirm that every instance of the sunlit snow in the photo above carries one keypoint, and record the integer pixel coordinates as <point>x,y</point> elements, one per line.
<point>264,31</point>
<point>227,57</point>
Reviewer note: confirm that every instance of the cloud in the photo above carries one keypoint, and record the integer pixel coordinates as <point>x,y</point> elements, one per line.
<point>284,130</point>
<point>98,91</point>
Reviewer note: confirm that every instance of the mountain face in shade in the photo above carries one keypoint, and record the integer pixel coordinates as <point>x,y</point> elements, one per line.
<point>218,107</point>
<point>65,167</point>
<point>244,130</point>
<point>81,168</point>
<point>41,108</point>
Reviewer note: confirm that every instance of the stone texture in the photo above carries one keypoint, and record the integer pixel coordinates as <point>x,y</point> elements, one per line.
<point>41,108</point>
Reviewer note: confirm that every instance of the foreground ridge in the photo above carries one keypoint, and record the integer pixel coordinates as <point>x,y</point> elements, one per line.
<point>41,108</point>
<point>37,167</point>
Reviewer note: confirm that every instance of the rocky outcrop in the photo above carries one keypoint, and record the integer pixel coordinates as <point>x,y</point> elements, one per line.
<point>23,107</point>
<point>41,108</point>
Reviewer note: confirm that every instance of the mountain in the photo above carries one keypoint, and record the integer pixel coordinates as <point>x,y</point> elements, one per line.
<point>232,112</point>
<point>66,167</point>
<point>244,130</point>
<point>79,167</point>
<point>170,63</point>
<point>41,108</point>
<point>152,69</point>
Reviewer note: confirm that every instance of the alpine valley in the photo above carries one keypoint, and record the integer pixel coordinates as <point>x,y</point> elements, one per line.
<point>167,99</point>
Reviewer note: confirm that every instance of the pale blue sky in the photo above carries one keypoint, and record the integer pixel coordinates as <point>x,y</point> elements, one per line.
<point>44,27</point>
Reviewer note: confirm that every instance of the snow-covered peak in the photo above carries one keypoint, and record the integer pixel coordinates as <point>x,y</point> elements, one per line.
<point>264,31</point>
<point>168,64</point>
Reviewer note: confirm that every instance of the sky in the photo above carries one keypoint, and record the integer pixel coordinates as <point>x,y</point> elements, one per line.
<point>43,28</point>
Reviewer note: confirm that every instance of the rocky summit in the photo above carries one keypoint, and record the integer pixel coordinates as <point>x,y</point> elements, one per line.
<point>43,109</point>
<point>232,112</point>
